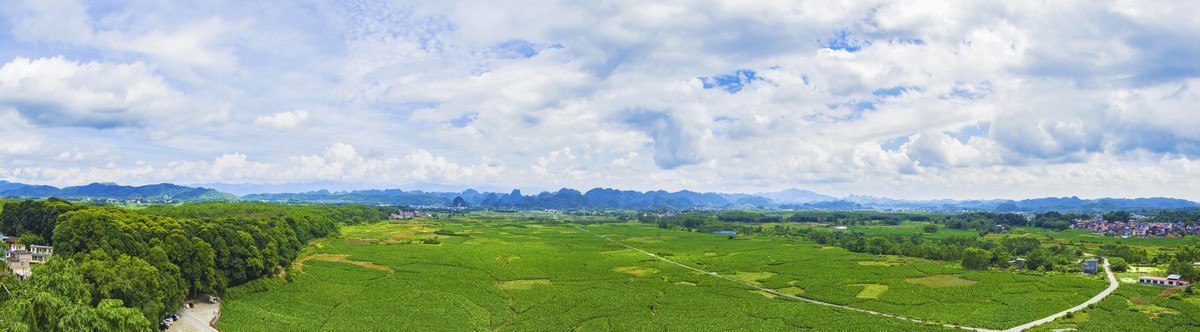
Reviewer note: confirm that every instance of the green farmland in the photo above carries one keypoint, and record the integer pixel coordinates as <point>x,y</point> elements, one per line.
<point>505,273</point>
<point>1135,308</point>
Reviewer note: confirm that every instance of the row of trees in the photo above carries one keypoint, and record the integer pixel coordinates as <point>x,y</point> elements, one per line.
<point>973,252</point>
<point>150,261</point>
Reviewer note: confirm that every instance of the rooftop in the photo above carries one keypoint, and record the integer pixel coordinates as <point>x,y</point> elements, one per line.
<point>1162,279</point>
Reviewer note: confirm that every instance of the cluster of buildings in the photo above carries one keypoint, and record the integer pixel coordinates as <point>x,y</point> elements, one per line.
<point>1135,228</point>
<point>662,214</point>
<point>20,257</point>
<point>132,201</point>
<point>410,215</point>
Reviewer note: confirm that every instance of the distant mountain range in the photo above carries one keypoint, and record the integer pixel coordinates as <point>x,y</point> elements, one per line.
<point>598,198</point>
<point>797,196</point>
<point>156,192</point>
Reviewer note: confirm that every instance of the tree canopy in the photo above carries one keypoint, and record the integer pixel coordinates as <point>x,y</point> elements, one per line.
<point>146,262</point>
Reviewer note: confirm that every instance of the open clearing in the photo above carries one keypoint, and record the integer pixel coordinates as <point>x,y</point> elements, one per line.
<point>522,284</point>
<point>942,281</point>
<point>573,280</point>
<point>870,291</point>
<point>338,258</point>
<point>635,270</point>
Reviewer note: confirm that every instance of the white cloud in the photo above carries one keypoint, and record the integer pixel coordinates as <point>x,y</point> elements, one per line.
<point>53,20</point>
<point>882,96</point>
<point>282,120</point>
<point>197,43</point>
<point>60,92</point>
<point>339,162</point>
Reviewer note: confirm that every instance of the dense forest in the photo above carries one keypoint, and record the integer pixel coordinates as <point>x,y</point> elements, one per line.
<point>124,269</point>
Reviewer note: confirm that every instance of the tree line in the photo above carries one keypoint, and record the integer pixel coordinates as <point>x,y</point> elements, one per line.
<point>149,261</point>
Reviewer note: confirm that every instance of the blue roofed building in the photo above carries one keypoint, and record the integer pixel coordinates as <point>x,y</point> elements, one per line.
<point>1091,265</point>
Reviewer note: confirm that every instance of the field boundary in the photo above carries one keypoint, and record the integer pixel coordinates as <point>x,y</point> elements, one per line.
<point>777,293</point>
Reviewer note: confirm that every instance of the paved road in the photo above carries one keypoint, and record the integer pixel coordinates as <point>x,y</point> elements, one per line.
<point>1112,286</point>
<point>777,293</point>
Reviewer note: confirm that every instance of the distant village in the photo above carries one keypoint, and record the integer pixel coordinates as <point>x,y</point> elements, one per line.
<point>412,214</point>
<point>1135,228</point>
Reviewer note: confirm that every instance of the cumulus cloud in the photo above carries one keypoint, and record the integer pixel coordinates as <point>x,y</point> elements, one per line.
<point>60,92</point>
<point>881,96</point>
<point>675,143</point>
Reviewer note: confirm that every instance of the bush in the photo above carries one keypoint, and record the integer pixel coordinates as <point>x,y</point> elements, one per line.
<point>1118,264</point>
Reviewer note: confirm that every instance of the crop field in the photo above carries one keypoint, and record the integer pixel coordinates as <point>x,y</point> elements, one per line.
<point>1135,308</point>
<point>500,272</point>
<point>904,286</point>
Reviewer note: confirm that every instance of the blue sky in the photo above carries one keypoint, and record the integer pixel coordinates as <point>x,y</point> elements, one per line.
<point>908,99</point>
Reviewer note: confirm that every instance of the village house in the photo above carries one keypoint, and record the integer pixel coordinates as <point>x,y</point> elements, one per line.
<point>1173,280</point>
<point>10,245</point>
<point>20,257</point>
<point>20,263</point>
<point>41,253</point>
<point>1091,265</point>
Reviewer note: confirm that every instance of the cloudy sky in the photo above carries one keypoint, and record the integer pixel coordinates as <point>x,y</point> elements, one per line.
<point>907,99</point>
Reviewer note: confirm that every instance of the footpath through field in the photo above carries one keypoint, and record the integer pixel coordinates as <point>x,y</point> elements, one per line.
<point>1112,286</point>
<point>777,293</point>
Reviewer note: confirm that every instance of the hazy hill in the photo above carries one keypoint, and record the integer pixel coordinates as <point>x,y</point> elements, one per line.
<point>797,196</point>
<point>6,186</point>
<point>389,196</point>
<point>164,191</point>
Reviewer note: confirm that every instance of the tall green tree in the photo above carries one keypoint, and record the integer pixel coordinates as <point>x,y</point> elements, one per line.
<point>36,217</point>
<point>975,258</point>
<point>56,298</point>
<point>879,246</point>
<point>126,278</point>
<point>1000,257</point>
<point>1184,269</point>
<point>1118,264</point>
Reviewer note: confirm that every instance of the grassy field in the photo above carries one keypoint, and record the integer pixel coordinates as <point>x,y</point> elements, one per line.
<point>506,272</point>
